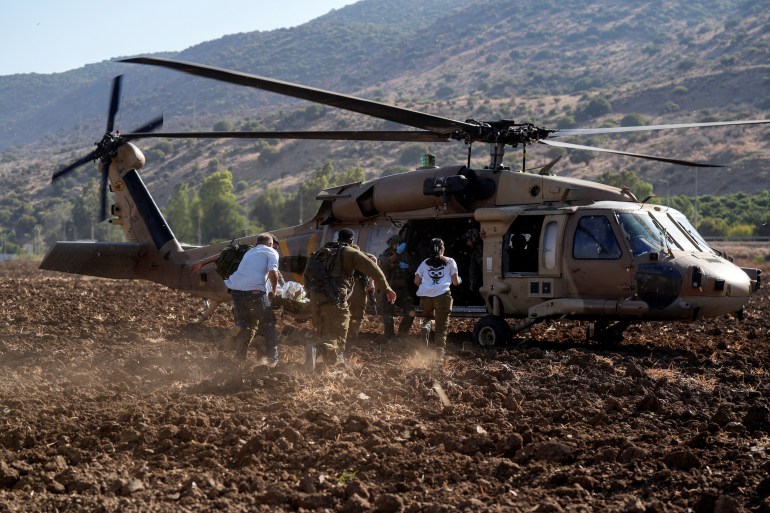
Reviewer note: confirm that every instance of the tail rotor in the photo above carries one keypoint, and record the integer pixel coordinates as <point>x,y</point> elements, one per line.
<point>106,148</point>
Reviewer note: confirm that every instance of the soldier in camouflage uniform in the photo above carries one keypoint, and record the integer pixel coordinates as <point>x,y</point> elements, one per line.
<point>329,303</point>
<point>399,273</point>
<point>363,286</point>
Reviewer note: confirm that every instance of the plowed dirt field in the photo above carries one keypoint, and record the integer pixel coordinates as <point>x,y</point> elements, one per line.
<point>113,398</point>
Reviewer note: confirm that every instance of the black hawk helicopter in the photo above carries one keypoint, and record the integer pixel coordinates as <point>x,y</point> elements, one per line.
<point>553,247</point>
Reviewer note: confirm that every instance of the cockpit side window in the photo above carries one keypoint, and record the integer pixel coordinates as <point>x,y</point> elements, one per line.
<point>595,240</point>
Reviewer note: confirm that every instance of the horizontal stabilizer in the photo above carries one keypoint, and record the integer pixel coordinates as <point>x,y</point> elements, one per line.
<point>103,259</point>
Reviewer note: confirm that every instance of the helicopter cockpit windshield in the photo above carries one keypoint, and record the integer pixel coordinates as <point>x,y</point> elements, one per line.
<point>689,230</point>
<point>651,232</point>
<point>642,235</point>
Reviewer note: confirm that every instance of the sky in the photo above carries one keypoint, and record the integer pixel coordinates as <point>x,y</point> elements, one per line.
<point>51,36</point>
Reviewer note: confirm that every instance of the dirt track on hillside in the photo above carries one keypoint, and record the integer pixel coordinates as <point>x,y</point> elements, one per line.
<point>112,398</point>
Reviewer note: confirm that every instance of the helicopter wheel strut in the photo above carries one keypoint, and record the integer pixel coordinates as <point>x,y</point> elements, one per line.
<point>491,330</point>
<point>606,332</point>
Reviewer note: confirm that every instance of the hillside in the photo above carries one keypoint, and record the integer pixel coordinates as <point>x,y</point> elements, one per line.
<point>661,61</point>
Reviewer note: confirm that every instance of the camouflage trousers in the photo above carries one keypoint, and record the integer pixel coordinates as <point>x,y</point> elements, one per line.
<point>331,323</point>
<point>438,308</point>
<point>357,307</point>
<point>404,303</point>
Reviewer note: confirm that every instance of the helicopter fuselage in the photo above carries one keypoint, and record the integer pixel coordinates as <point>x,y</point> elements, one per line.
<point>552,247</point>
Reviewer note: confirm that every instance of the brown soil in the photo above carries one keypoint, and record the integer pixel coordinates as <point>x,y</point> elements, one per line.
<point>112,398</point>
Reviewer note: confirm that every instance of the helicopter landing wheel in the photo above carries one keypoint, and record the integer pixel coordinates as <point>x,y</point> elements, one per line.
<point>606,332</point>
<point>491,330</point>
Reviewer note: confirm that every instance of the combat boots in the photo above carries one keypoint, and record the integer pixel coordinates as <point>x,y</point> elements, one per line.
<point>440,355</point>
<point>425,330</point>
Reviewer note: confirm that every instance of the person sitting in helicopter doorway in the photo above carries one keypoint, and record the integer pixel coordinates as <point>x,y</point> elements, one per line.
<point>248,287</point>
<point>328,280</point>
<point>433,278</point>
<point>475,265</point>
<point>395,264</point>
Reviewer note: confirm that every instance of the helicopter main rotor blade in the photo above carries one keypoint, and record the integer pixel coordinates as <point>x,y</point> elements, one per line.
<point>341,101</point>
<point>103,196</point>
<point>338,136</point>
<point>629,154</point>
<point>563,132</point>
<point>117,85</point>
<point>79,162</point>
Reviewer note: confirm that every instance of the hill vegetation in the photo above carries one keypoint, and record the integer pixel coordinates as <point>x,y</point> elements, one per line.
<point>556,64</point>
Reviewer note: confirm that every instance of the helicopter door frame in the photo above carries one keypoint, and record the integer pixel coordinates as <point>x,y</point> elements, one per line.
<point>533,262</point>
<point>597,267</point>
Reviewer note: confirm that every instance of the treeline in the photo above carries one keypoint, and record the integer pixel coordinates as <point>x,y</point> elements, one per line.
<point>733,215</point>
<point>212,213</point>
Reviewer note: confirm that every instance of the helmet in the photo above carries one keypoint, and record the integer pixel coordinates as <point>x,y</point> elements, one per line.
<point>394,238</point>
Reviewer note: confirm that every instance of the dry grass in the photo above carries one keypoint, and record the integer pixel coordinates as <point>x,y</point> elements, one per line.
<point>657,374</point>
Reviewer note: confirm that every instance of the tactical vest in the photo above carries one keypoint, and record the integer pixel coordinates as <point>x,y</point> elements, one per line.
<point>325,277</point>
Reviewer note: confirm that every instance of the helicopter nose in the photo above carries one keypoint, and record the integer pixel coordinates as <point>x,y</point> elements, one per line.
<point>715,288</point>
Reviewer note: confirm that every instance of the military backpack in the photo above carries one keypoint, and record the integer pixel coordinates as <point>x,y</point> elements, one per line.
<point>230,258</point>
<point>325,279</point>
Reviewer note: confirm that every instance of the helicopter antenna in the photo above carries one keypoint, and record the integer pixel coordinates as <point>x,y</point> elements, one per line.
<point>524,157</point>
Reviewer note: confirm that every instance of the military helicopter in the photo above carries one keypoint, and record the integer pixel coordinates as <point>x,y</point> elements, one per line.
<point>552,247</point>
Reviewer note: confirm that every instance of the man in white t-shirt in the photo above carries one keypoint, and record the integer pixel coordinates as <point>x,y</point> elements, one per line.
<point>251,288</point>
<point>252,295</point>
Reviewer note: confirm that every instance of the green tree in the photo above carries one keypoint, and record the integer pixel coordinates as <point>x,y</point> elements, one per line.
<point>274,209</point>
<point>323,179</point>
<point>224,126</point>
<point>182,214</point>
<point>713,227</point>
<point>54,220</point>
<point>269,208</point>
<point>307,205</point>
<point>349,175</point>
<point>25,227</point>
<point>593,109</point>
<point>633,119</point>
<point>685,205</point>
<point>85,211</point>
<point>628,178</point>
<point>221,216</point>
<point>741,230</point>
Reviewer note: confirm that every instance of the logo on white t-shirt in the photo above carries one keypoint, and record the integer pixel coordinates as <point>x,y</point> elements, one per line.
<point>436,273</point>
